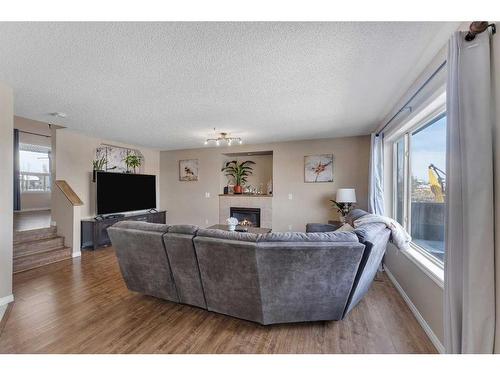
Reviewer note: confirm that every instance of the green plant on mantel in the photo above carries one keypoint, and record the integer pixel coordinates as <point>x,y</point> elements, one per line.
<point>132,161</point>
<point>239,172</point>
<point>98,164</point>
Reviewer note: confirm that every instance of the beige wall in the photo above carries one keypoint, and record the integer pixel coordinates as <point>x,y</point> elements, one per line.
<point>6,192</point>
<point>31,126</point>
<point>74,155</point>
<point>496,103</point>
<point>425,294</point>
<point>35,201</point>
<point>186,202</point>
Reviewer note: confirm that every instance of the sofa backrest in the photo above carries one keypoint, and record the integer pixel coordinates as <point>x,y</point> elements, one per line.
<point>229,274</point>
<point>181,254</point>
<point>375,236</point>
<point>142,258</point>
<point>308,237</point>
<point>306,281</point>
<point>278,277</point>
<point>354,215</point>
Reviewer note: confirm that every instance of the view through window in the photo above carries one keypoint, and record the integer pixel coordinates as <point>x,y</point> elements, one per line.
<point>34,165</point>
<point>425,176</point>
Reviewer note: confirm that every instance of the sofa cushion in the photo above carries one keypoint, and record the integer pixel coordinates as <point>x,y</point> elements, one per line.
<point>345,228</point>
<point>308,237</point>
<point>228,235</point>
<point>141,225</point>
<point>183,229</point>
<point>355,215</point>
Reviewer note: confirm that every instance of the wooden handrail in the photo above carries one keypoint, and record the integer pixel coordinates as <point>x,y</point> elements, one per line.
<point>69,193</point>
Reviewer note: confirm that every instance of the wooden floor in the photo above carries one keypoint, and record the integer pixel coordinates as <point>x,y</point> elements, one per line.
<point>28,220</point>
<point>82,306</point>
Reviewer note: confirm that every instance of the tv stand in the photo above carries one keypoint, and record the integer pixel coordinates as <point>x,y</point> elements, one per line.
<point>95,230</point>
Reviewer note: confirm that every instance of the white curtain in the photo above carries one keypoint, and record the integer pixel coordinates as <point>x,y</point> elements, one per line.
<point>375,179</point>
<point>469,260</point>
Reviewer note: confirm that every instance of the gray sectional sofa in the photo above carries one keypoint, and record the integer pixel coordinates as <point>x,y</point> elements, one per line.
<point>270,278</point>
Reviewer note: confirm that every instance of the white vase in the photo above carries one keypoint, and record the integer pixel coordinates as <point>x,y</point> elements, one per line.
<point>232,227</point>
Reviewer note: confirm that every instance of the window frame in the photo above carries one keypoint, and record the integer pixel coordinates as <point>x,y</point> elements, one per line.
<point>431,117</point>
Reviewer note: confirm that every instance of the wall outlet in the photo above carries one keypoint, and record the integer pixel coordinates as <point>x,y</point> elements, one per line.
<point>290,196</point>
<point>207,194</point>
<point>290,227</point>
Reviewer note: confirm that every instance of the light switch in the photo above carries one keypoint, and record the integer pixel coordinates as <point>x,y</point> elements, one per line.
<point>207,194</point>
<point>290,196</point>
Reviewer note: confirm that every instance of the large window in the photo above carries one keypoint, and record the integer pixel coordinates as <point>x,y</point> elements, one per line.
<point>420,185</point>
<point>34,165</point>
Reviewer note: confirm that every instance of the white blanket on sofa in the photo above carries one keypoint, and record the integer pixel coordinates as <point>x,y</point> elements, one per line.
<point>399,236</point>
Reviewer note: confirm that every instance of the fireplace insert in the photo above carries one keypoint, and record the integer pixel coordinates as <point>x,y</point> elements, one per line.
<point>246,216</point>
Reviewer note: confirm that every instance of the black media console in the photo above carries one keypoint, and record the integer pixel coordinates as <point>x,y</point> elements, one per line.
<point>95,231</point>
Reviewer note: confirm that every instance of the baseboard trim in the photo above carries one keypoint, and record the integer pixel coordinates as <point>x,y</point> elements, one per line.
<point>6,300</point>
<point>4,316</point>
<point>427,329</point>
<point>77,254</point>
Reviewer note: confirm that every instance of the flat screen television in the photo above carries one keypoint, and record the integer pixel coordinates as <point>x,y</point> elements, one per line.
<point>122,192</point>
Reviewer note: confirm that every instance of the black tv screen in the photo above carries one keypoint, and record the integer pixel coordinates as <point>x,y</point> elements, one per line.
<point>121,192</point>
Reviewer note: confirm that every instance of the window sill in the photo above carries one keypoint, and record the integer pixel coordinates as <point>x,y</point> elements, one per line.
<point>431,269</point>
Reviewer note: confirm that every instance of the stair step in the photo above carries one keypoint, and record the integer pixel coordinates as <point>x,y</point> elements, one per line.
<point>27,262</point>
<point>34,234</point>
<point>37,246</point>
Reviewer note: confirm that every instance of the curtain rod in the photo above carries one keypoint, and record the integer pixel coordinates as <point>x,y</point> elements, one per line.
<point>405,106</point>
<point>477,27</point>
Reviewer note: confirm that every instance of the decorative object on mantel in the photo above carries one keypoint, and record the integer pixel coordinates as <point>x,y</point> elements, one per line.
<point>344,201</point>
<point>223,138</point>
<point>132,161</point>
<point>239,172</point>
<point>232,222</point>
<point>318,168</point>
<point>188,170</point>
<point>115,157</point>
<point>269,187</point>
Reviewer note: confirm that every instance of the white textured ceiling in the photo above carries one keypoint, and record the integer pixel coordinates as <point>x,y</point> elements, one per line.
<point>167,85</point>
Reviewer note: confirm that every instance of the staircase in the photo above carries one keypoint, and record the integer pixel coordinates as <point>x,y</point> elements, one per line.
<point>38,247</point>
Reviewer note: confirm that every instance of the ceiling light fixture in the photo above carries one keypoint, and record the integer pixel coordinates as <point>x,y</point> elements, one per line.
<point>223,137</point>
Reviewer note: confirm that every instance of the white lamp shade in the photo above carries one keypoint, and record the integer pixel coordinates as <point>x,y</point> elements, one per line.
<point>346,196</point>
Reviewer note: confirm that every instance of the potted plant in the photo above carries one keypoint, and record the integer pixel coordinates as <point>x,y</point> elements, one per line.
<point>98,165</point>
<point>239,172</point>
<point>132,161</point>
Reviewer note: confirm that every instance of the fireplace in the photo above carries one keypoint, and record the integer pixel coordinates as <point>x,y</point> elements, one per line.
<point>246,216</point>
